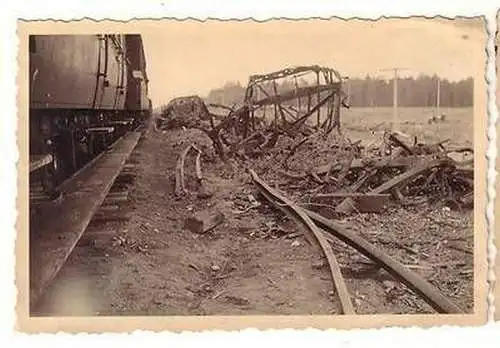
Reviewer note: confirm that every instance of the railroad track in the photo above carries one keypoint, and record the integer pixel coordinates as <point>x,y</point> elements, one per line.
<point>92,193</point>
<point>323,230</point>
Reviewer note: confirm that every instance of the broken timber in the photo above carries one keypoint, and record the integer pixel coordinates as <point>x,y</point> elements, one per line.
<point>347,205</point>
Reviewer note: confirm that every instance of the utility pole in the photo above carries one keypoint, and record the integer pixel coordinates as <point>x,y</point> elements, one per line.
<point>395,97</point>
<point>346,81</point>
<point>372,92</point>
<point>438,98</point>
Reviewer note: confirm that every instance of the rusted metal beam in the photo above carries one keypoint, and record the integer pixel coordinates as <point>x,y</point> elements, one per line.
<point>290,208</point>
<point>292,71</point>
<point>296,93</point>
<point>411,279</point>
<point>180,187</point>
<point>302,119</point>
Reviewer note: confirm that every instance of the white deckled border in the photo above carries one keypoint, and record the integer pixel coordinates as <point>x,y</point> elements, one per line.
<point>491,154</point>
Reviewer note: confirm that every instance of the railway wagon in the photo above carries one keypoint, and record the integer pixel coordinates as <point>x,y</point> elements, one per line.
<point>84,92</point>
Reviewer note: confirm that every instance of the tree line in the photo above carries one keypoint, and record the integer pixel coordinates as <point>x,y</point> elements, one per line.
<point>376,92</point>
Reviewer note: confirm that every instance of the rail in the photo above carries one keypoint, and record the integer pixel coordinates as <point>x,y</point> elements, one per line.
<point>411,279</point>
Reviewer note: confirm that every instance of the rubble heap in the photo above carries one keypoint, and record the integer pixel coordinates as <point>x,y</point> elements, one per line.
<point>344,176</point>
<point>312,154</point>
<point>316,175</point>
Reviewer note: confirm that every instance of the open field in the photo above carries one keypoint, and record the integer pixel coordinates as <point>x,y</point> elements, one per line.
<point>458,126</point>
<point>364,123</point>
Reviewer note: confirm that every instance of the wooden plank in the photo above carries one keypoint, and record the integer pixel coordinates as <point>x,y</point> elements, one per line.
<point>39,161</point>
<point>408,175</point>
<point>116,199</point>
<point>346,206</point>
<point>256,78</point>
<point>62,225</point>
<point>101,129</point>
<point>119,123</point>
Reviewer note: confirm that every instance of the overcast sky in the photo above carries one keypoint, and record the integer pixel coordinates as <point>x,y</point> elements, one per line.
<point>187,58</point>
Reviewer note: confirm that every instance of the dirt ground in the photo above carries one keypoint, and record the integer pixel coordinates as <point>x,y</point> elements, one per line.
<point>256,262</point>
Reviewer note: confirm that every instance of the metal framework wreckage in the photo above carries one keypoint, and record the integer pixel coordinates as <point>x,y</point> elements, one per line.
<point>290,110</point>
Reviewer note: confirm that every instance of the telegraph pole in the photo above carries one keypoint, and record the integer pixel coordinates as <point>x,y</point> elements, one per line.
<point>372,91</point>
<point>438,98</point>
<point>346,81</point>
<point>395,97</point>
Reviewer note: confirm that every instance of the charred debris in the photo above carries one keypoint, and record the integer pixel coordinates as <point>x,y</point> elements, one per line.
<point>310,170</point>
<point>294,138</point>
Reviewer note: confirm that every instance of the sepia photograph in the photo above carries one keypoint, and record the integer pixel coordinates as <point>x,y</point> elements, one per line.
<point>226,174</point>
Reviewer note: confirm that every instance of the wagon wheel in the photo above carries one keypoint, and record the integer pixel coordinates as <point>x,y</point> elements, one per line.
<point>84,147</point>
<point>54,173</point>
<point>51,178</point>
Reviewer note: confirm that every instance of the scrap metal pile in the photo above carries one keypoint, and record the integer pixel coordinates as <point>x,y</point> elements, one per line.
<point>289,136</point>
<point>254,127</point>
<point>338,176</point>
<point>320,173</point>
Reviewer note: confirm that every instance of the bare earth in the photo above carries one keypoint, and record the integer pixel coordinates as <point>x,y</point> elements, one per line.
<point>255,262</point>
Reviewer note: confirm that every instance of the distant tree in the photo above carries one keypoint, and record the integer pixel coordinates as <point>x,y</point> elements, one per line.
<point>372,92</point>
